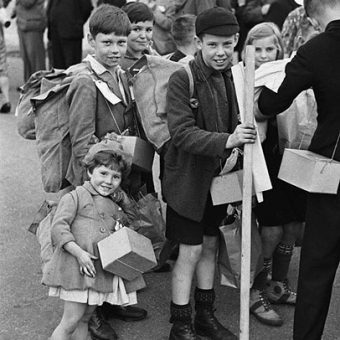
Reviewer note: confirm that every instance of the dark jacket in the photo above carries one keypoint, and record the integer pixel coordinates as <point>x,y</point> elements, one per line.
<point>315,65</point>
<point>68,17</point>
<point>279,11</point>
<point>198,137</point>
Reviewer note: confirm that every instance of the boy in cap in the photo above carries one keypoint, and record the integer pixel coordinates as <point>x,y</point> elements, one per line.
<point>204,130</point>
<point>316,65</point>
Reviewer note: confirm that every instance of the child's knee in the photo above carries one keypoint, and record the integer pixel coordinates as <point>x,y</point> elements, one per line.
<point>190,253</point>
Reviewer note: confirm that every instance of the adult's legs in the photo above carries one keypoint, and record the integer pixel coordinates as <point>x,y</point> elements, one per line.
<point>320,255</point>
<point>32,51</point>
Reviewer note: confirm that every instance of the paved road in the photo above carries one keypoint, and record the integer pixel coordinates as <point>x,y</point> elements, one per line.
<point>26,313</point>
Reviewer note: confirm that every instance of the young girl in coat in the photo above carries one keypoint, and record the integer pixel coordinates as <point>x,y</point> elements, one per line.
<point>281,214</point>
<point>84,217</point>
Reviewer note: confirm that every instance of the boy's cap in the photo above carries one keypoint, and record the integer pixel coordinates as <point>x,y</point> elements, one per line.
<point>217,21</point>
<point>110,146</point>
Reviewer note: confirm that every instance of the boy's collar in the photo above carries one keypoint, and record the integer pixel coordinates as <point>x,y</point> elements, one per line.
<point>96,66</point>
<point>88,186</point>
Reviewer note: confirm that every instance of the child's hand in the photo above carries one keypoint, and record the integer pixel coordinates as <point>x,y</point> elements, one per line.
<point>86,265</point>
<point>243,134</point>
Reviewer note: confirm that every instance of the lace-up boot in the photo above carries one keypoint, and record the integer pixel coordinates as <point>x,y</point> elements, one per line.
<point>99,328</point>
<point>206,323</point>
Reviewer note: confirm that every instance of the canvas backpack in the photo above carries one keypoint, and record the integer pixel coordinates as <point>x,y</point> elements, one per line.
<point>155,71</point>
<point>42,114</point>
<point>42,228</point>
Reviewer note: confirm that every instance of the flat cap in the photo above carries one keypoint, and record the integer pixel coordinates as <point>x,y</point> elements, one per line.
<point>110,146</point>
<point>217,21</point>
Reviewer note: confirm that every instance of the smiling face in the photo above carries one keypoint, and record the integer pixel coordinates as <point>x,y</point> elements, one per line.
<point>109,49</point>
<point>140,37</point>
<point>265,50</point>
<point>217,51</point>
<point>105,180</point>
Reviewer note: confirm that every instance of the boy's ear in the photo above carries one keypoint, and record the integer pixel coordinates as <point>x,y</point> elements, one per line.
<point>89,174</point>
<point>237,35</point>
<point>198,42</point>
<point>91,40</point>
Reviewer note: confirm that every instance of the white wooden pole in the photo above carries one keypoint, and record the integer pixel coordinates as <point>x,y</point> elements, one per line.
<point>247,196</point>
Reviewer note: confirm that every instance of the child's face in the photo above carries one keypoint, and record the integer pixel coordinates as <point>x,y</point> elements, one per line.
<point>105,180</point>
<point>109,48</point>
<point>140,36</point>
<point>265,50</point>
<point>217,51</point>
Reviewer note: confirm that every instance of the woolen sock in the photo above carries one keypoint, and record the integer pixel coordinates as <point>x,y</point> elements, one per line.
<point>180,313</point>
<point>267,265</point>
<point>204,298</point>
<point>281,261</point>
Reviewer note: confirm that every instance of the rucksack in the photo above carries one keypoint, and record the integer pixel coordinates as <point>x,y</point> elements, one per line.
<point>43,109</point>
<point>44,227</point>
<point>155,71</point>
<point>24,111</point>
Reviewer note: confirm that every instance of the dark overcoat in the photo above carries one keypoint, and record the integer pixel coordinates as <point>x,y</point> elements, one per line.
<point>198,137</point>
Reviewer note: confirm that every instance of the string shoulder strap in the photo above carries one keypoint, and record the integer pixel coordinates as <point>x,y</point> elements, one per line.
<point>191,79</point>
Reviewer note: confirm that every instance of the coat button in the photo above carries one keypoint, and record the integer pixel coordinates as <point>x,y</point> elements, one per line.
<point>102,230</point>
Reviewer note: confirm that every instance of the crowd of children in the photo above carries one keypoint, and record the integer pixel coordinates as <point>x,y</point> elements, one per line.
<point>203,136</point>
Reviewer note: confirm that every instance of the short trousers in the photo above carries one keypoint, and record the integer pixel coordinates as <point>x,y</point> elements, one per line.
<point>186,231</point>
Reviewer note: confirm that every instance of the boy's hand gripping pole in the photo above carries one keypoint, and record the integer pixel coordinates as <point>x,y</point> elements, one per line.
<point>247,195</point>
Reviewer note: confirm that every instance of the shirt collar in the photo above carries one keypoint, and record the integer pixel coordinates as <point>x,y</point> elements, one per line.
<point>96,66</point>
<point>88,186</point>
<point>333,26</point>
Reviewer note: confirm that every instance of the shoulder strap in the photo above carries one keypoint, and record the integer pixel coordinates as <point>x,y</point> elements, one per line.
<point>191,79</point>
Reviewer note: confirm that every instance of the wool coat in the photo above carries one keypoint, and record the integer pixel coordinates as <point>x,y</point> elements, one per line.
<point>86,221</point>
<point>197,148</point>
<point>315,65</point>
<point>91,114</point>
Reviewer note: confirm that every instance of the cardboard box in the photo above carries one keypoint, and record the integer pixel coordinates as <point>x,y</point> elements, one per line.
<point>227,188</point>
<point>127,254</point>
<point>141,151</point>
<point>310,171</point>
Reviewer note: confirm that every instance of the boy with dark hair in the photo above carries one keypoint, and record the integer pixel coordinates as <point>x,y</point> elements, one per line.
<point>140,38</point>
<point>316,65</point>
<point>92,113</point>
<point>202,137</point>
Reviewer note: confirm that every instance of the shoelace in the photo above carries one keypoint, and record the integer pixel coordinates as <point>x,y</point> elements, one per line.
<point>287,288</point>
<point>265,302</point>
<point>188,328</point>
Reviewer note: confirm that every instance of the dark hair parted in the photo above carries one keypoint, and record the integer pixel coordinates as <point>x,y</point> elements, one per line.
<point>183,29</point>
<point>138,12</point>
<point>109,19</point>
<point>110,160</point>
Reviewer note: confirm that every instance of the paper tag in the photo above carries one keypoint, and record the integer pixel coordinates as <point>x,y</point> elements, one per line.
<point>107,93</point>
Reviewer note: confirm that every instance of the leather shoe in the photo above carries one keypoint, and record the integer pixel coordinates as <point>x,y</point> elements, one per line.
<point>127,313</point>
<point>182,331</point>
<point>207,325</point>
<point>99,327</point>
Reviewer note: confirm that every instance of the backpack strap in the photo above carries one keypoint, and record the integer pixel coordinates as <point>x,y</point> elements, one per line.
<point>191,79</point>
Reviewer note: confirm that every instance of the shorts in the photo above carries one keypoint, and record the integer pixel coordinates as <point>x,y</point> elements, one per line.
<point>186,231</point>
